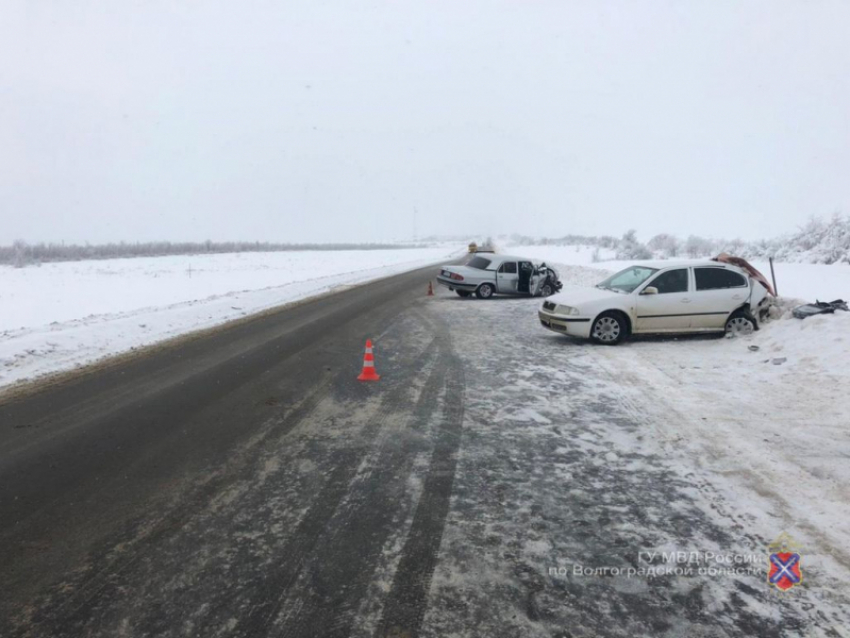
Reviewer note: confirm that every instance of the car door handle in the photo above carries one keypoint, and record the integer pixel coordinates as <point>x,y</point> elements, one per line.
<point>685,300</point>
<point>737,297</point>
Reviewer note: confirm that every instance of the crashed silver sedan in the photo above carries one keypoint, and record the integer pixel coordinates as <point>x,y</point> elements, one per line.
<point>493,274</point>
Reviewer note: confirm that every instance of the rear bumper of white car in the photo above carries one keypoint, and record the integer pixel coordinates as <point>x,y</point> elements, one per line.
<point>573,326</point>
<point>451,284</point>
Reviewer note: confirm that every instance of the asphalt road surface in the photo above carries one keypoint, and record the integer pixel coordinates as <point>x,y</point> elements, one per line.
<point>236,482</point>
<point>243,483</point>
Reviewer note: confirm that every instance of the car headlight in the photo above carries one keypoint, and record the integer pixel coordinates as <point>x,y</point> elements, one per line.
<point>566,310</point>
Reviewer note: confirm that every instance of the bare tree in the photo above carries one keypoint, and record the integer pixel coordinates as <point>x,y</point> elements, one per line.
<point>696,246</point>
<point>20,254</point>
<point>631,248</point>
<point>664,244</point>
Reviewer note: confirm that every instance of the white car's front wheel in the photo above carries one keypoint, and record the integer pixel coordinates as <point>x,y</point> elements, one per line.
<point>609,328</point>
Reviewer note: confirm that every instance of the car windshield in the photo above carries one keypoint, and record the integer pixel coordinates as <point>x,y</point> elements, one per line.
<point>479,262</point>
<point>627,280</point>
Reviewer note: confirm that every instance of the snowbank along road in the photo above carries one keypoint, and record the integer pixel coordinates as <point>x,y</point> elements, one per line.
<point>499,480</point>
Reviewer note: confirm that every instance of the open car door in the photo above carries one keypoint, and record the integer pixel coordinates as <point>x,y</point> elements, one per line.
<point>526,274</point>
<point>537,279</point>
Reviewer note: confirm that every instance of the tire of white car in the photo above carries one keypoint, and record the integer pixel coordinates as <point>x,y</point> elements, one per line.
<point>485,291</point>
<point>609,328</point>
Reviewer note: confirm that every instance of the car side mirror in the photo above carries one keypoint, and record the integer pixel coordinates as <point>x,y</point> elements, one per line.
<point>650,290</point>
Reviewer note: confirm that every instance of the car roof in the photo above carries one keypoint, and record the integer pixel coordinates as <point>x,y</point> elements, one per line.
<point>500,257</point>
<point>663,264</point>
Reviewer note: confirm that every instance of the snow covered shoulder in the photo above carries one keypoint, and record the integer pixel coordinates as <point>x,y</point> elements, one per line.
<point>587,455</point>
<point>766,412</point>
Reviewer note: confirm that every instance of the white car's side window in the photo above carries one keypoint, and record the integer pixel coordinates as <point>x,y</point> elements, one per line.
<point>671,281</point>
<point>718,279</point>
<point>509,267</point>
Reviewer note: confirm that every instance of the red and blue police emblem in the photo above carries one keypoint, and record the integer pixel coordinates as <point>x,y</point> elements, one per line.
<point>785,570</point>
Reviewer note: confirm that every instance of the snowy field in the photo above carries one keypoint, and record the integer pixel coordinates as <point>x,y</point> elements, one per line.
<point>63,315</point>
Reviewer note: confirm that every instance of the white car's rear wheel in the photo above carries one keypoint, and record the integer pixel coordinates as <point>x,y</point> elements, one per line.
<point>609,329</point>
<point>485,291</point>
<point>740,324</point>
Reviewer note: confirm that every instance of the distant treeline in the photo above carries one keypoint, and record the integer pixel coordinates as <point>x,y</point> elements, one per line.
<point>602,241</point>
<point>818,241</point>
<point>20,253</point>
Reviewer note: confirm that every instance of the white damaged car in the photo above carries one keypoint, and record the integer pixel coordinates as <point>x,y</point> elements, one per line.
<point>660,297</point>
<point>485,276</point>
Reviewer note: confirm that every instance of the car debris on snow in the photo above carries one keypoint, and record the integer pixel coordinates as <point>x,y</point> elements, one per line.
<point>819,308</point>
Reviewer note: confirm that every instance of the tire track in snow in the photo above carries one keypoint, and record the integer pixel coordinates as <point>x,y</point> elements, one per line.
<point>280,589</point>
<point>406,602</point>
<point>338,577</point>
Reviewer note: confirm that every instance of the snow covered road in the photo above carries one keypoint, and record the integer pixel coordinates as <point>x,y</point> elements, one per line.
<point>580,459</point>
<point>499,480</point>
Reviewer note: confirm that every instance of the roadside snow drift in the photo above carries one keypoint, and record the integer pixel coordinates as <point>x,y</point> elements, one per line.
<point>64,315</point>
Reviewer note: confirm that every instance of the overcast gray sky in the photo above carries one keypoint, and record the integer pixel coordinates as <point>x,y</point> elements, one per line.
<point>324,120</point>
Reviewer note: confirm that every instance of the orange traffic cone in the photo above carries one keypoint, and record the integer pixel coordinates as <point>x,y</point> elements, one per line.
<point>430,289</point>
<point>368,373</point>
